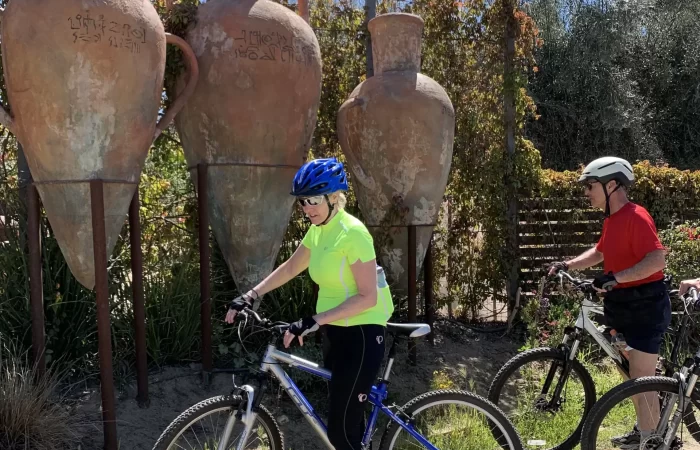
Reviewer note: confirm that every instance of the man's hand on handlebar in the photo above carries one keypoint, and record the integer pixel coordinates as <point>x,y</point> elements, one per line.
<point>556,267</point>
<point>687,284</point>
<point>605,282</point>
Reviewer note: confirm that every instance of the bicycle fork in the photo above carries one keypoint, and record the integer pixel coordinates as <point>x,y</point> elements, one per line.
<point>569,355</point>
<point>683,399</point>
<point>248,419</point>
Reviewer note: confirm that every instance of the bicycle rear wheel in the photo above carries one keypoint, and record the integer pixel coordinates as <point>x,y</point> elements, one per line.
<point>451,419</point>
<point>202,426</point>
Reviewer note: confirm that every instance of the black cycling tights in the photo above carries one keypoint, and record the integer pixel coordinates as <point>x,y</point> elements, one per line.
<point>354,355</point>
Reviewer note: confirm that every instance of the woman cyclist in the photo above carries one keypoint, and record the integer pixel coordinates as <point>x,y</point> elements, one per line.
<point>339,253</point>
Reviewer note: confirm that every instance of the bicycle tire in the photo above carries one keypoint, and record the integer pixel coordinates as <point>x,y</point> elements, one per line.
<point>623,391</point>
<point>192,414</point>
<point>431,398</point>
<point>547,353</point>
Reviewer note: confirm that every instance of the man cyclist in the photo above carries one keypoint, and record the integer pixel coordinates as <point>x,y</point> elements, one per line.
<point>636,298</point>
<point>339,253</point>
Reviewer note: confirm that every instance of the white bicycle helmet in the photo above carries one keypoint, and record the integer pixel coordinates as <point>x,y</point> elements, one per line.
<point>607,169</point>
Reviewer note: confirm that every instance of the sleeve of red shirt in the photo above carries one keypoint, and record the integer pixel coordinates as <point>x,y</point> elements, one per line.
<point>599,245</point>
<point>644,235</point>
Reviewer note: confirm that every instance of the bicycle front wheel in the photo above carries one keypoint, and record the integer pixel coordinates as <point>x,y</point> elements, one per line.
<point>451,419</point>
<point>202,427</point>
<point>525,389</point>
<point>613,417</point>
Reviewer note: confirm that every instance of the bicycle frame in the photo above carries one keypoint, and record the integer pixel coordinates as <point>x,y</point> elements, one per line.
<point>271,364</point>
<point>584,323</point>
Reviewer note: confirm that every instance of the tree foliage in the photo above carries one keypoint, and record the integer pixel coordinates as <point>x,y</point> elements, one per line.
<point>616,77</point>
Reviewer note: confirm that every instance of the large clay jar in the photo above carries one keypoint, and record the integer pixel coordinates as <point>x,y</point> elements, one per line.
<point>251,120</point>
<point>84,81</point>
<point>397,131</point>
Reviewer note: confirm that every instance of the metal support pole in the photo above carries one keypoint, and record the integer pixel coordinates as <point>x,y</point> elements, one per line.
<point>449,277</point>
<point>510,126</point>
<point>412,289</point>
<point>139,304</point>
<point>304,9</point>
<point>99,242</point>
<point>371,13</point>
<point>428,288</point>
<point>204,270</point>
<point>36,287</point>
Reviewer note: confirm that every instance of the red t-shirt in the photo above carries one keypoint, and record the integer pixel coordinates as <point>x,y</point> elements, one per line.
<point>628,236</point>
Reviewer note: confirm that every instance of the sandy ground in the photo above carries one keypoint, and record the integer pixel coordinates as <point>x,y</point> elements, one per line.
<point>468,358</point>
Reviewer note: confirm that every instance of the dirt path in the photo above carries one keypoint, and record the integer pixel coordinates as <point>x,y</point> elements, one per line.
<point>467,359</point>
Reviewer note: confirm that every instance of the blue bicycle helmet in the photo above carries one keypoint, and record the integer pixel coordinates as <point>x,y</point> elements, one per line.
<point>320,177</point>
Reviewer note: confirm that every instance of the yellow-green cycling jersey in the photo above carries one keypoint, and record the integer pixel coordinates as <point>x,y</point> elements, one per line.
<point>334,247</point>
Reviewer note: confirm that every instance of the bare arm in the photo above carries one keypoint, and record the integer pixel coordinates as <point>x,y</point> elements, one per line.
<point>285,272</point>
<point>653,262</point>
<point>366,278</point>
<point>589,258</point>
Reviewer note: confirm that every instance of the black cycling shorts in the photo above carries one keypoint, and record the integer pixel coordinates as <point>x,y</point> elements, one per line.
<point>641,313</point>
<point>354,356</point>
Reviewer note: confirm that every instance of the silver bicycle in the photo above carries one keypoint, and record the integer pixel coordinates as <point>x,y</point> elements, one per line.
<point>444,419</point>
<point>547,393</point>
<point>674,398</point>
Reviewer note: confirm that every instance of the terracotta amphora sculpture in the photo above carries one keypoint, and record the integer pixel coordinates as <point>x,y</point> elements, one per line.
<point>84,83</point>
<point>251,120</point>
<point>397,131</point>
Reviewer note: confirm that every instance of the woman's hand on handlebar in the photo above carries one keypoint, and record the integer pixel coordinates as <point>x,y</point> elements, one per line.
<point>237,305</point>
<point>299,329</point>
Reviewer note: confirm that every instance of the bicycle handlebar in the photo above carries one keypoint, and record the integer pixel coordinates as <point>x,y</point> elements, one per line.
<point>583,285</point>
<point>690,298</point>
<point>266,323</point>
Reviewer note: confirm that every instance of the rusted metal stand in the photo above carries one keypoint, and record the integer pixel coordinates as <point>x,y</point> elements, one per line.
<point>412,289</point>
<point>36,286</point>
<point>102,297</point>
<point>204,270</point>
<point>99,241</point>
<point>138,299</point>
<point>205,255</point>
<point>428,290</point>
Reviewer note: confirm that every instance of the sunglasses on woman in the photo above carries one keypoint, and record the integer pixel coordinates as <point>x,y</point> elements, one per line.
<point>311,201</point>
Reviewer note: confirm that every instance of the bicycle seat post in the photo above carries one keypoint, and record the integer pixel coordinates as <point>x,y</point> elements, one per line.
<point>390,362</point>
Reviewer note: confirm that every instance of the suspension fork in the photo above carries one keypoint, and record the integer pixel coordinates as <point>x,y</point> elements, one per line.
<point>569,355</point>
<point>245,412</point>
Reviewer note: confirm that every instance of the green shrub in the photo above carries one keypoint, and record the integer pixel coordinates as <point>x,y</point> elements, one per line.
<point>31,417</point>
<point>683,245</point>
